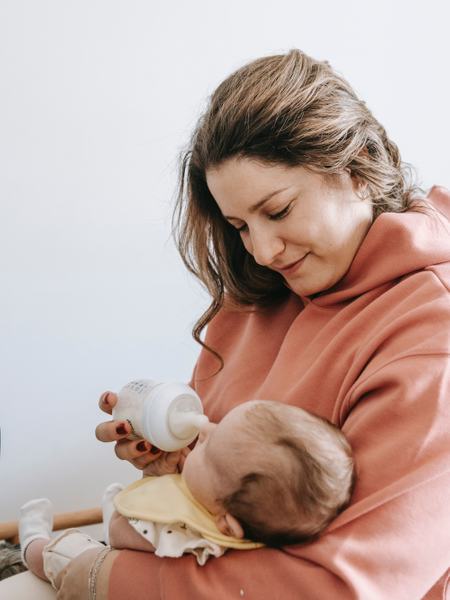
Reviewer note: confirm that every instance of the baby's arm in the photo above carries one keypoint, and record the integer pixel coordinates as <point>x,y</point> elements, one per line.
<point>123,535</point>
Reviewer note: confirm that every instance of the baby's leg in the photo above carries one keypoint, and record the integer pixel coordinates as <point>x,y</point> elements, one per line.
<point>64,548</point>
<point>34,557</point>
<point>43,556</point>
<point>123,535</point>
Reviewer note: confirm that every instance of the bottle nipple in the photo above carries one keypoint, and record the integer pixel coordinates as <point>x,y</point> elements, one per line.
<point>185,424</point>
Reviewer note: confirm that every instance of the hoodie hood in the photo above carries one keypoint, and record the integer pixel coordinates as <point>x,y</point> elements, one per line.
<point>396,245</point>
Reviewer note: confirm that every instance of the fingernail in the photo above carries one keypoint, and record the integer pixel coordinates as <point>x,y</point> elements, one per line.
<point>142,446</point>
<point>121,429</point>
<point>154,450</point>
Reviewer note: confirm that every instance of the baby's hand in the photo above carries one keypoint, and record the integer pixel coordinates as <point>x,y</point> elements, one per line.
<point>167,464</point>
<point>184,454</point>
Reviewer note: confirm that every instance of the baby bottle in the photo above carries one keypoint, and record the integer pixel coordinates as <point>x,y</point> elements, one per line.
<point>168,415</point>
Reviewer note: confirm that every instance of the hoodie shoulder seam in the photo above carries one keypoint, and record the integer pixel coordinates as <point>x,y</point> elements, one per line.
<point>348,405</point>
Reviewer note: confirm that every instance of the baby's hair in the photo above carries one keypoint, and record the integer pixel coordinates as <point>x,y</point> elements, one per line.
<point>300,478</point>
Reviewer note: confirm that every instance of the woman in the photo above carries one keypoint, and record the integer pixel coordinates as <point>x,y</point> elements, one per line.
<point>329,276</point>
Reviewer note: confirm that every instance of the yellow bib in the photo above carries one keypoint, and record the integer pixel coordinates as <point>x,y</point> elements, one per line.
<point>166,499</point>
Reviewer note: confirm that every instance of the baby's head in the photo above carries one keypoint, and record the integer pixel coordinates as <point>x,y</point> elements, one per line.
<point>271,472</point>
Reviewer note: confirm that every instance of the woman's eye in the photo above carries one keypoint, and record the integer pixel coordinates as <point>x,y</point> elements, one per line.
<point>276,217</point>
<point>281,214</point>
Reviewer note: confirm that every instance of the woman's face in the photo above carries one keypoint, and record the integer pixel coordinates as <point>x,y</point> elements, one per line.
<point>293,217</point>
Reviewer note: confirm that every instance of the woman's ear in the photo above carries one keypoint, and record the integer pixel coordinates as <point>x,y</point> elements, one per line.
<point>360,185</point>
<point>229,525</point>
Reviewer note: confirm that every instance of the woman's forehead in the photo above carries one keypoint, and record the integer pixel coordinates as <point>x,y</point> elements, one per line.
<point>247,183</point>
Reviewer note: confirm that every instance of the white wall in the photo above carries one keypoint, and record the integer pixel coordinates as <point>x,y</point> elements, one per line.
<point>97,97</point>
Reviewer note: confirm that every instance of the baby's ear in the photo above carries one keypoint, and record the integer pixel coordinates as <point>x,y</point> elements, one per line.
<point>229,525</point>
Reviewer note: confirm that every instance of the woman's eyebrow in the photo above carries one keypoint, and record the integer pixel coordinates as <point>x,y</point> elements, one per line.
<point>260,203</point>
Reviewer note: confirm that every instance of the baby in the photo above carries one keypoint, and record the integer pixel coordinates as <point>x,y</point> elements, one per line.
<point>268,472</point>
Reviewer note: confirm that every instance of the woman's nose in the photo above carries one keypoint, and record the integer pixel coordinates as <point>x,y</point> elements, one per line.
<point>265,248</point>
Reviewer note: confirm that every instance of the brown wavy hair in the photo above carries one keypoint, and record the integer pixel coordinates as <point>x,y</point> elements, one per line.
<point>287,109</point>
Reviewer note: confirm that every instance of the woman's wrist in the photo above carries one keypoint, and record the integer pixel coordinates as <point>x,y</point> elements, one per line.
<point>103,574</point>
<point>94,570</point>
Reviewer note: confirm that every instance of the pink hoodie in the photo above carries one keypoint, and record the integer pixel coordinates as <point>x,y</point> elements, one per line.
<point>371,355</point>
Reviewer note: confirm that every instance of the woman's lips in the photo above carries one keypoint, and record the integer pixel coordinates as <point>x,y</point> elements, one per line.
<point>289,269</point>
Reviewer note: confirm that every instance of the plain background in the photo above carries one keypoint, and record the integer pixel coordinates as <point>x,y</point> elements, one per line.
<point>97,99</point>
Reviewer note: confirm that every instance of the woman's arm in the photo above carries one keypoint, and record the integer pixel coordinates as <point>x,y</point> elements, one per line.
<point>392,542</point>
<point>72,582</point>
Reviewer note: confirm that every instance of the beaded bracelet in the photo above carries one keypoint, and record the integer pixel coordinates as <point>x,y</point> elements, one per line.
<point>93,572</point>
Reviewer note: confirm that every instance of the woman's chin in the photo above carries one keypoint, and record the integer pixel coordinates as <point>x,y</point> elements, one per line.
<point>305,288</point>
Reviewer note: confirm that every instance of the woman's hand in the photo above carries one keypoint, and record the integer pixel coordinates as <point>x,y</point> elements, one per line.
<point>144,456</point>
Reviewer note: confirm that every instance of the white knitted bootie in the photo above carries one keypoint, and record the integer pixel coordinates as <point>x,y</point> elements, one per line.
<point>35,522</point>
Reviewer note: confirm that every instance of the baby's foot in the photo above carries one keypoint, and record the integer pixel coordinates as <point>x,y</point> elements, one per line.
<point>35,521</point>
<point>108,507</point>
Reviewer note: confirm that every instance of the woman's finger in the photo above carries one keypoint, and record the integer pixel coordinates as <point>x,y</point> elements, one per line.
<point>145,461</point>
<point>139,452</point>
<point>107,402</point>
<point>112,431</point>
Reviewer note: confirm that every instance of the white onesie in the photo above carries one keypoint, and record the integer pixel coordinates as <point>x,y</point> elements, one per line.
<point>164,512</point>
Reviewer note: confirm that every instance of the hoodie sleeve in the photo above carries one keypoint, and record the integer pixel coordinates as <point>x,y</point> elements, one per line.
<point>392,542</point>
